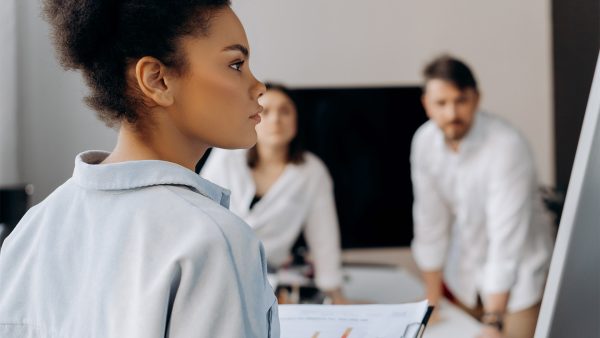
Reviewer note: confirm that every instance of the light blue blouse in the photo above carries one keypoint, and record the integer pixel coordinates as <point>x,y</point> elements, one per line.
<point>134,249</point>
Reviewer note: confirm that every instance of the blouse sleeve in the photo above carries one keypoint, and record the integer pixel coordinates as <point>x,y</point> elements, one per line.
<point>323,235</point>
<point>207,299</point>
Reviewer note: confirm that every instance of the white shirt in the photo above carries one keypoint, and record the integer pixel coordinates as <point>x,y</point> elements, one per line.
<point>301,198</point>
<point>477,213</point>
<point>140,249</point>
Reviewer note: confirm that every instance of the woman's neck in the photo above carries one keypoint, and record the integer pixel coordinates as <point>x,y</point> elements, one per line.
<point>135,144</point>
<point>268,156</point>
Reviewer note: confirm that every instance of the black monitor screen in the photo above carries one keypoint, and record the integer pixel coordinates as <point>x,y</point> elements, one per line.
<point>14,202</point>
<point>363,135</point>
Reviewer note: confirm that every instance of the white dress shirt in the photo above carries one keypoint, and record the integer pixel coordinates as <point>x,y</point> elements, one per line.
<point>478,215</point>
<point>140,249</point>
<point>301,198</point>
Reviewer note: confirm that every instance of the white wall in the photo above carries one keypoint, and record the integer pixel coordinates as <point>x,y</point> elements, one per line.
<point>387,42</point>
<point>55,125</point>
<point>316,43</point>
<point>8,93</point>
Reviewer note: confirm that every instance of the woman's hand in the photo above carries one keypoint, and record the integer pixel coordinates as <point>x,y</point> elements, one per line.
<point>337,297</point>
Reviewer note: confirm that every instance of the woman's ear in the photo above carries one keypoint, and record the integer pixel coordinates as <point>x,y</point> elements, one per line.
<point>151,76</point>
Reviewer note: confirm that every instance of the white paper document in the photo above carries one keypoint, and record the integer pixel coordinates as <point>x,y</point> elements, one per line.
<point>352,321</point>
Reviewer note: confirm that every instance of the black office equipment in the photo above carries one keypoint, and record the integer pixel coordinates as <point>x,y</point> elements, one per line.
<point>364,135</point>
<point>14,202</point>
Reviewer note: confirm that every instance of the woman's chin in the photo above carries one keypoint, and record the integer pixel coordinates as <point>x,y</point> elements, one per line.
<point>242,143</point>
<point>274,143</point>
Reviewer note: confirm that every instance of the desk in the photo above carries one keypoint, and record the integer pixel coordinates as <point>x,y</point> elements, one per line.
<point>395,284</point>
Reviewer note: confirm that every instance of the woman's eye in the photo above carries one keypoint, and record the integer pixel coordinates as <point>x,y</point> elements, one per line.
<point>237,66</point>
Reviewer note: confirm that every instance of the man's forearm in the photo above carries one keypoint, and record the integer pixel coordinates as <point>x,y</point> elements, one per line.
<point>494,311</point>
<point>496,303</point>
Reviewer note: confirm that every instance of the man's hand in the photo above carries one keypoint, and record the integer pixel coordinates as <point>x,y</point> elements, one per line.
<point>337,297</point>
<point>490,332</point>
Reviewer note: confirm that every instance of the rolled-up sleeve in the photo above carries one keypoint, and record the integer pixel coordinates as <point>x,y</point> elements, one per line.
<point>431,217</point>
<point>508,215</point>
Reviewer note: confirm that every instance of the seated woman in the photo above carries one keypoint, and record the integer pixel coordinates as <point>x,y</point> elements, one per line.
<point>280,189</point>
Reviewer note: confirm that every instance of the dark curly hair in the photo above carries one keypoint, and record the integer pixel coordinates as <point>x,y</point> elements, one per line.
<point>101,37</point>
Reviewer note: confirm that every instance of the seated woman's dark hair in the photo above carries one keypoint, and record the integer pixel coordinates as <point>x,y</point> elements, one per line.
<point>296,146</point>
<point>101,37</point>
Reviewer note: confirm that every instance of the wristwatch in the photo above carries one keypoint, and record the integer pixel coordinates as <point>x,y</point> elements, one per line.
<point>495,319</point>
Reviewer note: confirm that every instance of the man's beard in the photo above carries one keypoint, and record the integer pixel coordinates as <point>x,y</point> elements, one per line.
<point>455,131</point>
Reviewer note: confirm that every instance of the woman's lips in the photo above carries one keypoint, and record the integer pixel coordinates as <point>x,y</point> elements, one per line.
<point>255,117</point>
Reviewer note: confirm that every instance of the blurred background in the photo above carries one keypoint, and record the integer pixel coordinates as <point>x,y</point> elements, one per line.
<point>533,59</point>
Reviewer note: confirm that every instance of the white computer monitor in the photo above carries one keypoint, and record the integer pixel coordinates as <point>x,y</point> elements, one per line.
<point>571,304</point>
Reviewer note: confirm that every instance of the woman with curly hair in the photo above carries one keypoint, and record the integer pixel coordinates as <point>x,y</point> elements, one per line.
<point>135,244</point>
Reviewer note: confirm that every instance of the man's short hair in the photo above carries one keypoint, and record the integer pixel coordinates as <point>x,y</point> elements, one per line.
<point>450,69</point>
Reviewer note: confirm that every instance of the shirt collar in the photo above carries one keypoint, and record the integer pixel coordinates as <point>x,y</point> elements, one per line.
<point>90,174</point>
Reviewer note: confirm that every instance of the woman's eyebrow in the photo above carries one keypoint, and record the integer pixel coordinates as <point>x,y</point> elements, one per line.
<point>237,47</point>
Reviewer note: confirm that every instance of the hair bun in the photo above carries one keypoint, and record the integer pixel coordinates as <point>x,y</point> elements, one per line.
<point>81,29</point>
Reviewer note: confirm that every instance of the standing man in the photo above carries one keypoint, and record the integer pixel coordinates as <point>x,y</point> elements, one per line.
<point>482,236</point>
